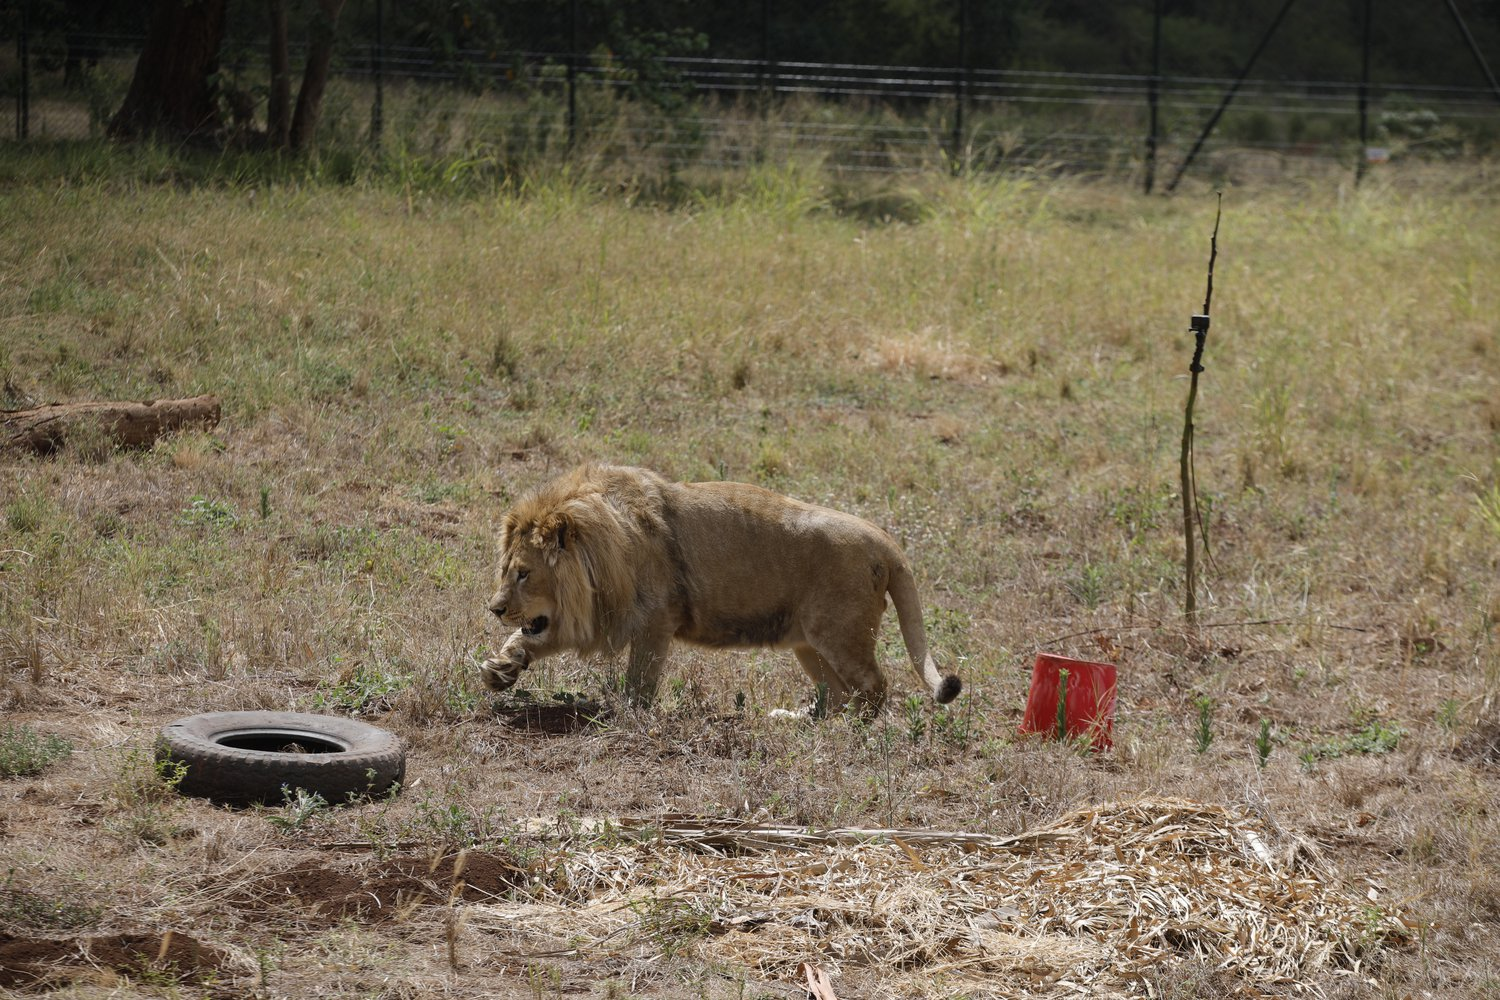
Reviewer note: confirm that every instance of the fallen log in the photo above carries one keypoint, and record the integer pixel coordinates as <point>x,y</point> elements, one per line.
<point>45,429</point>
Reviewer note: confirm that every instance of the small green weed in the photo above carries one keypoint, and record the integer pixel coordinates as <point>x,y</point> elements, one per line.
<point>505,355</point>
<point>301,808</point>
<point>1203,735</point>
<point>948,629</point>
<point>1375,737</point>
<point>544,980</point>
<point>146,779</point>
<point>672,925</point>
<point>26,514</point>
<point>916,719</point>
<point>820,702</point>
<point>449,821</point>
<point>450,439</point>
<point>1139,512</point>
<point>1489,508</point>
<point>366,688</point>
<point>1272,415</point>
<point>211,513</point>
<point>432,490</point>
<point>25,752</point>
<point>956,727</point>
<point>460,699</point>
<point>146,792</point>
<point>1263,744</point>
<point>1088,585</point>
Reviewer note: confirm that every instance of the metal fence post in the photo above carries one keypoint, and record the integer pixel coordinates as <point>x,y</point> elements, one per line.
<point>767,67</point>
<point>23,95</point>
<point>767,84</point>
<point>377,110</point>
<point>961,86</point>
<point>1153,94</point>
<point>1362,164</point>
<point>573,78</point>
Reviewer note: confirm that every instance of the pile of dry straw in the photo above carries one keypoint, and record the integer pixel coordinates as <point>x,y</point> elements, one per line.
<point>1099,903</point>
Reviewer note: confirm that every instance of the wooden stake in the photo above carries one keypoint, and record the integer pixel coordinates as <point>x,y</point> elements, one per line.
<point>1190,512</point>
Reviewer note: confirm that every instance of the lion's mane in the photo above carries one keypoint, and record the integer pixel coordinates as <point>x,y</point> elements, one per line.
<point>606,541</point>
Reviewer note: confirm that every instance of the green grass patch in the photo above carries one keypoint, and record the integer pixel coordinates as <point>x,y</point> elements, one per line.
<point>25,752</point>
<point>1376,737</point>
<point>364,688</point>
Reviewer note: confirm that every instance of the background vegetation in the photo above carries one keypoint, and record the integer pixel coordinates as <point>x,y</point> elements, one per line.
<point>995,380</point>
<point>1320,40</point>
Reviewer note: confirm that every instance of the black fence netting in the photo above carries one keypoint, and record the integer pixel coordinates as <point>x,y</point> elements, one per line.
<point>689,111</point>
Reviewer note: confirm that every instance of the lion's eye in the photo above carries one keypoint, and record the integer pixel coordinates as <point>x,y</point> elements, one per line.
<point>521,575</point>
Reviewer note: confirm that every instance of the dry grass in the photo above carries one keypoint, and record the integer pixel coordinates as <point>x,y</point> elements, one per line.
<point>996,384</point>
<point>1105,896</point>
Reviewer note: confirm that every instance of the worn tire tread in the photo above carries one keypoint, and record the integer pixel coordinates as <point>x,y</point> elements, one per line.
<point>236,776</point>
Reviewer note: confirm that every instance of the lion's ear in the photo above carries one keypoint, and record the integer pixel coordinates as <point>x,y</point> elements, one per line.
<point>508,528</point>
<point>555,533</point>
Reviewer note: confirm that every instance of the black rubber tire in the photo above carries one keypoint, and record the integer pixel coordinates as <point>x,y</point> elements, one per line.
<point>240,758</point>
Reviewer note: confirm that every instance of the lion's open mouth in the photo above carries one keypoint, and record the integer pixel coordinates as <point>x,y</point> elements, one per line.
<point>536,626</point>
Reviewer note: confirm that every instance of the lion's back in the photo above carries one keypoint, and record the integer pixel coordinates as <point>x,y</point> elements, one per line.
<point>725,517</point>
<point>756,563</point>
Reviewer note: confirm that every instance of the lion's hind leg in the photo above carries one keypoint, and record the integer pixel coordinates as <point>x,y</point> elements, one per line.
<point>843,634</point>
<point>866,682</point>
<point>830,693</point>
<point>853,680</point>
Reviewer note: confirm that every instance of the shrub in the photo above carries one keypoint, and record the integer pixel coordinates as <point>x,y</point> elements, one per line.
<point>25,752</point>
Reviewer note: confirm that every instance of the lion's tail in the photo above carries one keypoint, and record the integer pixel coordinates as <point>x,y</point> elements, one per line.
<point>903,591</point>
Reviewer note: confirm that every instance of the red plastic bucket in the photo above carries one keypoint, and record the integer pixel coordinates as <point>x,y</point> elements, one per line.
<point>1088,708</point>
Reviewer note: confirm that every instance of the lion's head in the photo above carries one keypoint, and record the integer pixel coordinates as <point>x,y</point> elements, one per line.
<point>526,580</point>
<point>565,573</point>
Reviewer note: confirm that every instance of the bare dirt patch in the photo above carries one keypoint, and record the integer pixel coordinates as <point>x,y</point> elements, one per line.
<point>553,718</point>
<point>375,890</point>
<point>42,964</point>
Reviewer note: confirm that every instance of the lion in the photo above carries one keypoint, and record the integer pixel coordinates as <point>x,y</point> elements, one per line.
<point>608,557</point>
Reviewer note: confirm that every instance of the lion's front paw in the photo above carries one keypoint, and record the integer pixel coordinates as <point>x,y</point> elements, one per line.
<point>502,672</point>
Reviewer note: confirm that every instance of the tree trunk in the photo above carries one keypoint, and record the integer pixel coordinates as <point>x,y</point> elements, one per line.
<point>279,102</point>
<point>173,92</point>
<point>315,75</point>
<point>45,429</point>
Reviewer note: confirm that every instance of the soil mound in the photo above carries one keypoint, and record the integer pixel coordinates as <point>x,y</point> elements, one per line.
<point>43,963</point>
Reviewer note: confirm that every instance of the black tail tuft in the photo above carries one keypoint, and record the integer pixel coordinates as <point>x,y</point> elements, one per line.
<point>949,689</point>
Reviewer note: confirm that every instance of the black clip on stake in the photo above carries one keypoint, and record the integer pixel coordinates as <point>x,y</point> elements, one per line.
<point>1199,327</point>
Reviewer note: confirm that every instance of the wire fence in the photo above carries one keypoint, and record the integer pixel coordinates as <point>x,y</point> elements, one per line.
<point>682,113</point>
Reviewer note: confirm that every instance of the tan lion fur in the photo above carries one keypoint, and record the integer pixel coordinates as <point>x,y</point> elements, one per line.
<point>606,557</point>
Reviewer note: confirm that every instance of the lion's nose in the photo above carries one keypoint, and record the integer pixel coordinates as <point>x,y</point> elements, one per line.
<point>497,608</point>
